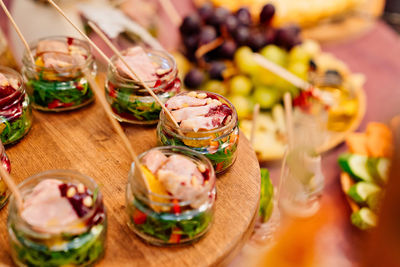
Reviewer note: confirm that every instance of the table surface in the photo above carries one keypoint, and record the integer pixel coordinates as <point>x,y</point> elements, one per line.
<point>83,140</point>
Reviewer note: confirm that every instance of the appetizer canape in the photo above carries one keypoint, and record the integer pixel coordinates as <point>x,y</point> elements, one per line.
<point>15,111</point>
<point>55,81</point>
<point>62,221</point>
<point>207,124</point>
<point>365,172</point>
<point>175,203</point>
<point>6,164</point>
<point>129,100</point>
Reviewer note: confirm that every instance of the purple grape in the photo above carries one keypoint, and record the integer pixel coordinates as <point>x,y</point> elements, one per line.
<point>241,35</point>
<point>267,13</point>
<point>257,40</point>
<point>288,37</point>
<point>207,34</point>
<point>216,70</point>
<point>227,49</point>
<point>205,11</point>
<point>230,24</point>
<point>190,25</point>
<point>270,35</point>
<point>219,17</point>
<point>191,42</point>
<point>244,17</point>
<point>194,78</point>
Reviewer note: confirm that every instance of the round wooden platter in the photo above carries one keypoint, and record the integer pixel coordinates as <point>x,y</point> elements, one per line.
<point>83,140</point>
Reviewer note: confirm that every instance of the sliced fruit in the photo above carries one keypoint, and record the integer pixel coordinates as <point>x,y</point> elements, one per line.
<point>362,190</point>
<point>156,187</point>
<point>364,219</point>
<point>356,165</point>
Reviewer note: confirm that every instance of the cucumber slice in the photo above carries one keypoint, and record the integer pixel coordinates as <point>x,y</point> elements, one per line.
<point>356,165</point>
<point>382,168</point>
<point>267,196</point>
<point>374,200</point>
<point>364,219</point>
<point>360,191</point>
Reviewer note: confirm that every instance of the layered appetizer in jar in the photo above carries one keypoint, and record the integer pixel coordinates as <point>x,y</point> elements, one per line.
<point>62,221</point>
<point>207,124</point>
<point>56,80</point>
<point>128,98</point>
<point>3,187</point>
<point>15,110</point>
<point>174,202</point>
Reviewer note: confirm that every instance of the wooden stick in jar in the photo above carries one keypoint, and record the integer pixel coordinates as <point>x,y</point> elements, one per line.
<point>12,186</point>
<point>101,98</point>
<point>287,101</point>
<point>132,74</point>
<point>21,36</point>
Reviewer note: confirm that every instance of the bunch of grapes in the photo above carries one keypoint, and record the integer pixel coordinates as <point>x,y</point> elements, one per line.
<point>228,68</point>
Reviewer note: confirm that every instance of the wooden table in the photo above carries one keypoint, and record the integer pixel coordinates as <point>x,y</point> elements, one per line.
<point>84,141</point>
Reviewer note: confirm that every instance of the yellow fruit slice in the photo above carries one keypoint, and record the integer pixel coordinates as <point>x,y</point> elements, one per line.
<point>156,187</point>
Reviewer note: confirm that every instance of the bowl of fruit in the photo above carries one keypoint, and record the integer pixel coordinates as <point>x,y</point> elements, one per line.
<point>218,53</point>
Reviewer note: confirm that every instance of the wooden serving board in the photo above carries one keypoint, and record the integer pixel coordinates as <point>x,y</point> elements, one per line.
<point>83,140</point>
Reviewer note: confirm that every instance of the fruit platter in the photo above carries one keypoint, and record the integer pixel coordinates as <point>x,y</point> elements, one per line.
<point>365,171</point>
<point>217,55</point>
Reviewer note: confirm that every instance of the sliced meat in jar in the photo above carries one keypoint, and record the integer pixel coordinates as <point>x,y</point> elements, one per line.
<point>182,101</point>
<point>181,177</point>
<point>203,123</point>
<point>190,112</point>
<point>45,46</point>
<point>153,160</point>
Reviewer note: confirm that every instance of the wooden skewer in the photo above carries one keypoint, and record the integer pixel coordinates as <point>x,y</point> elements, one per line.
<point>282,175</point>
<point>101,98</point>
<point>287,100</point>
<point>281,72</point>
<point>256,112</point>
<point>12,186</point>
<point>132,74</point>
<point>171,12</point>
<point>28,49</point>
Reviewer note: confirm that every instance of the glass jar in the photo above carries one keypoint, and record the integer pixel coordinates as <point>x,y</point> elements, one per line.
<point>3,187</point>
<point>15,110</point>
<point>52,246</point>
<point>65,89</point>
<point>164,220</point>
<point>130,101</point>
<point>218,145</point>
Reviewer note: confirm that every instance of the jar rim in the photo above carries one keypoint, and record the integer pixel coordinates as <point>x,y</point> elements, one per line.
<point>185,151</point>
<point>57,175</point>
<point>82,43</point>
<point>17,75</point>
<point>158,53</point>
<point>230,126</point>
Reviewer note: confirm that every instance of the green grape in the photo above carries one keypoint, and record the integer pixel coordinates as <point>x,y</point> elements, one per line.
<point>299,55</point>
<point>267,97</point>
<point>240,85</point>
<point>216,86</point>
<point>244,61</point>
<point>275,54</point>
<point>243,105</point>
<point>299,69</point>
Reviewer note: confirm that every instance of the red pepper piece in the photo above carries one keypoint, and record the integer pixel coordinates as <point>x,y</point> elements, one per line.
<point>58,104</point>
<point>176,208</point>
<point>219,166</point>
<point>70,40</point>
<point>139,217</point>
<point>175,236</point>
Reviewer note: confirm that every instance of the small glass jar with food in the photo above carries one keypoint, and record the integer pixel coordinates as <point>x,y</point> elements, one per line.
<point>56,79</point>
<point>128,98</point>
<point>208,124</point>
<point>62,221</point>
<point>171,202</point>
<point>3,187</point>
<point>15,110</point>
